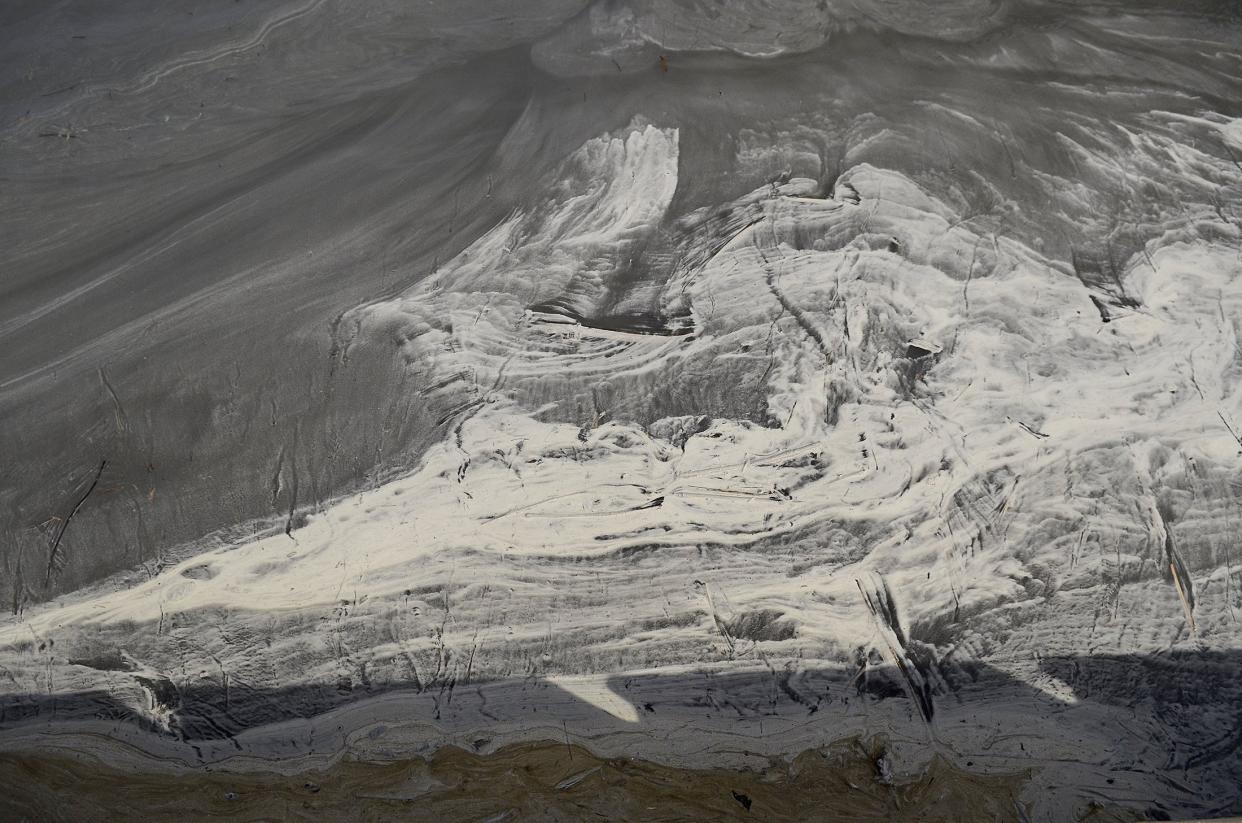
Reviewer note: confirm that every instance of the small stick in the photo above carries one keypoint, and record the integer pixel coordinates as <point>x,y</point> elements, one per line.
<point>51,559</point>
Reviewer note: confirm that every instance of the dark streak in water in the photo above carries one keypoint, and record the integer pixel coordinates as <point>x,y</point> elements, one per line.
<point>64,524</point>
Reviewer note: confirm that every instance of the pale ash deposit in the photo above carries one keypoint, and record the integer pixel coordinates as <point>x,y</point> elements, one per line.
<point>961,457</point>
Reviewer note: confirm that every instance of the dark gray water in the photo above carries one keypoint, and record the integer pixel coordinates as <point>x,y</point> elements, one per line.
<point>193,193</point>
<point>227,228</point>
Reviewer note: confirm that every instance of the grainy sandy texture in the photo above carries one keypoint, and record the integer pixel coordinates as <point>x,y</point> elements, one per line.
<point>522,782</point>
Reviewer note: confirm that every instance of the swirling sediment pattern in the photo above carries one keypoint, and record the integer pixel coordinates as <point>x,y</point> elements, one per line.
<point>703,382</point>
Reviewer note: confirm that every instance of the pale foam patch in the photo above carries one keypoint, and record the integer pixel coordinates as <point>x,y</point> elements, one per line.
<point>1026,378</point>
<point>595,691</point>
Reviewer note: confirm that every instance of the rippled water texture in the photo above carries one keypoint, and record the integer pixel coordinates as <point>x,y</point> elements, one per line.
<point>701,383</point>
<point>524,782</point>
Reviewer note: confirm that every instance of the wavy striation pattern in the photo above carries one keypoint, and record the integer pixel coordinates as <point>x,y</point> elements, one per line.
<point>708,381</point>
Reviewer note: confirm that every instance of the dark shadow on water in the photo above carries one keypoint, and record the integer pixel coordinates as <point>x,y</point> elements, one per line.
<point>1179,724</point>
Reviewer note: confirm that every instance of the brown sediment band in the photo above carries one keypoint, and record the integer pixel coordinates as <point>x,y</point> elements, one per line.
<point>529,781</point>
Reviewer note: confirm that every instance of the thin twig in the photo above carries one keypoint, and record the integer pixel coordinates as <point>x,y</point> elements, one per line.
<point>51,558</point>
